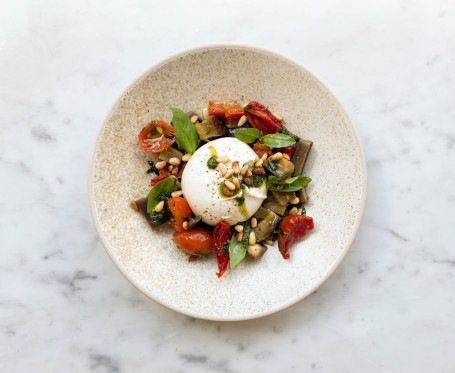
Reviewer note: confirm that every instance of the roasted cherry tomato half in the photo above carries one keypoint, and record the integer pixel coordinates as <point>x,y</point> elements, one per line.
<point>180,211</point>
<point>260,149</point>
<point>157,179</point>
<point>221,236</point>
<point>291,228</point>
<point>156,136</point>
<point>230,110</point>
<point>197,241</point>
<point>261,118</point>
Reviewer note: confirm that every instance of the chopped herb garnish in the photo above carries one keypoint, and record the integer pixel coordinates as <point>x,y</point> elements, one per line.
<point>212,163</point>
<point>152,167</point>
<point>272,164</point>
<point>258,180</point>
<point>303,211</point>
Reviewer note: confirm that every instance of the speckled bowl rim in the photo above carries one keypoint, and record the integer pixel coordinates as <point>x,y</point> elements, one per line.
<point>155,66</point>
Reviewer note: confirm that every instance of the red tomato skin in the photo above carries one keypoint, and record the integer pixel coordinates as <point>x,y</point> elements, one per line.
<point>289,150</point>
<point>179,209</point>
<point>160,142</point>
<point>261,118</point>
<point>197,241</point>
<point>221,234</point>
<point>157,179</point>
<point>293,227</point>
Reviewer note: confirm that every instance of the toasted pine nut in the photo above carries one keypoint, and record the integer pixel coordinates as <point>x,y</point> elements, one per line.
<point>193,119</point>
<point>259,163</point>
<point>160,165</point>
<point>222,168</point>
<point>229,173</point>
<point>278,116</point>
<point>230,185</point>
<point>245,105</point>
<point>239,236</point>
<point>286,156</point>
<point>294,201</point>
<point>185,225</point>
<point>235,167</point>
<point>175,171</point>
<point>264,157</point>
<point>277,156</point>
<point>254,222</point>
<point>134,205</point>
<point>248,173</point>
<point>174,161</point>
<point>205,113</point>
<point>159,206</point>
<point>239,228</point>
<point>222,159</point>
<point>186,157</point>
<point>244,170</point>
<point>268,241</point>
<point>177,193</point>
<point>293,211</point>
<point>252,238</point>
<point>171,167</point>
<point>236,182</point>
<point>242,121</point>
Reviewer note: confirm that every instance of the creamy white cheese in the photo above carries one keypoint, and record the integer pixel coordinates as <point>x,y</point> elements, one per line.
<point>200,185</point>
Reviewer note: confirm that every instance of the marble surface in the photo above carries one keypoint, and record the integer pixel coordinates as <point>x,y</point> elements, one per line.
<point>65,307</point>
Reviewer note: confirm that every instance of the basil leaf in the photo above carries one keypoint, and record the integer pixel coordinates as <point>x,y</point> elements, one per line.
<point>289,185</point>
<point>247,135</point>
<point>277,140</point>
<point>160,192</point>
<point>185,133</point>
<point>237,250</point>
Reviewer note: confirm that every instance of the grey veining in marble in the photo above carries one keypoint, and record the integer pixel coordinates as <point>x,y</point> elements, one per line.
<point>390,306</point>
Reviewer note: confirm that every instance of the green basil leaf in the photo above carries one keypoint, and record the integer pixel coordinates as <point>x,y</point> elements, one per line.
<point>247,135</point>
<point>277,140</point>
<point>160,192</point>
<point>289,185</point>
<point>237,250</point>
<point>185,133</point>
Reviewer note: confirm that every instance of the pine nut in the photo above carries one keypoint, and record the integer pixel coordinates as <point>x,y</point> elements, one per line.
<point>205,113</point>
<point>222,168</point>
<point>252,238</point>
<point>159,206</point>
<point>170,168</point>
<point>268,241</point>
<point>193,119</point>
<point>264,157</point>
<point>239,236</point>
<point>236,182</point>
<point>239,228</point>
<point>245,105</point>
<point>244,170</point>
<point>160,165</point>
<point>229,173</point>
<point>185,225</point>
<point>174,161</point>
<point>259,163</point>
<point>134,205</point>
<point>254,222</point>
<point>293,211</point>
<point>175,171</point>
<point>286,156</point>
<point>186,157</point>
<point>177,193</point>
<point>235,167</point>
<point>294,201</point>
<point>227,191</point>
<point>230,185</point>
<point>242,121</point>
<point>249,173</point>
<point>278,116</point>
<point>222,159</point>
<point>277,156</point>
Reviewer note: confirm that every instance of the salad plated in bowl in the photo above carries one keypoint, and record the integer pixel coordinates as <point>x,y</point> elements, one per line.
<point>227,190</point>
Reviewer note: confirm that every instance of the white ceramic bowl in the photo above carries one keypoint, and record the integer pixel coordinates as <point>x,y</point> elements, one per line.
<point>150,259</point>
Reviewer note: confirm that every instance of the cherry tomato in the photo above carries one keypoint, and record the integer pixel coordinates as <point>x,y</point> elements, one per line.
<point>289,150</point>
<point>291,228</point>
<point>221,235</point>
<point>197,241</point>
<point>261,149</point>
<point>180,211</point>
<point>230,110</point>
<point>157,179</point>
<point>261,118</point>
<point>156,136</point>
